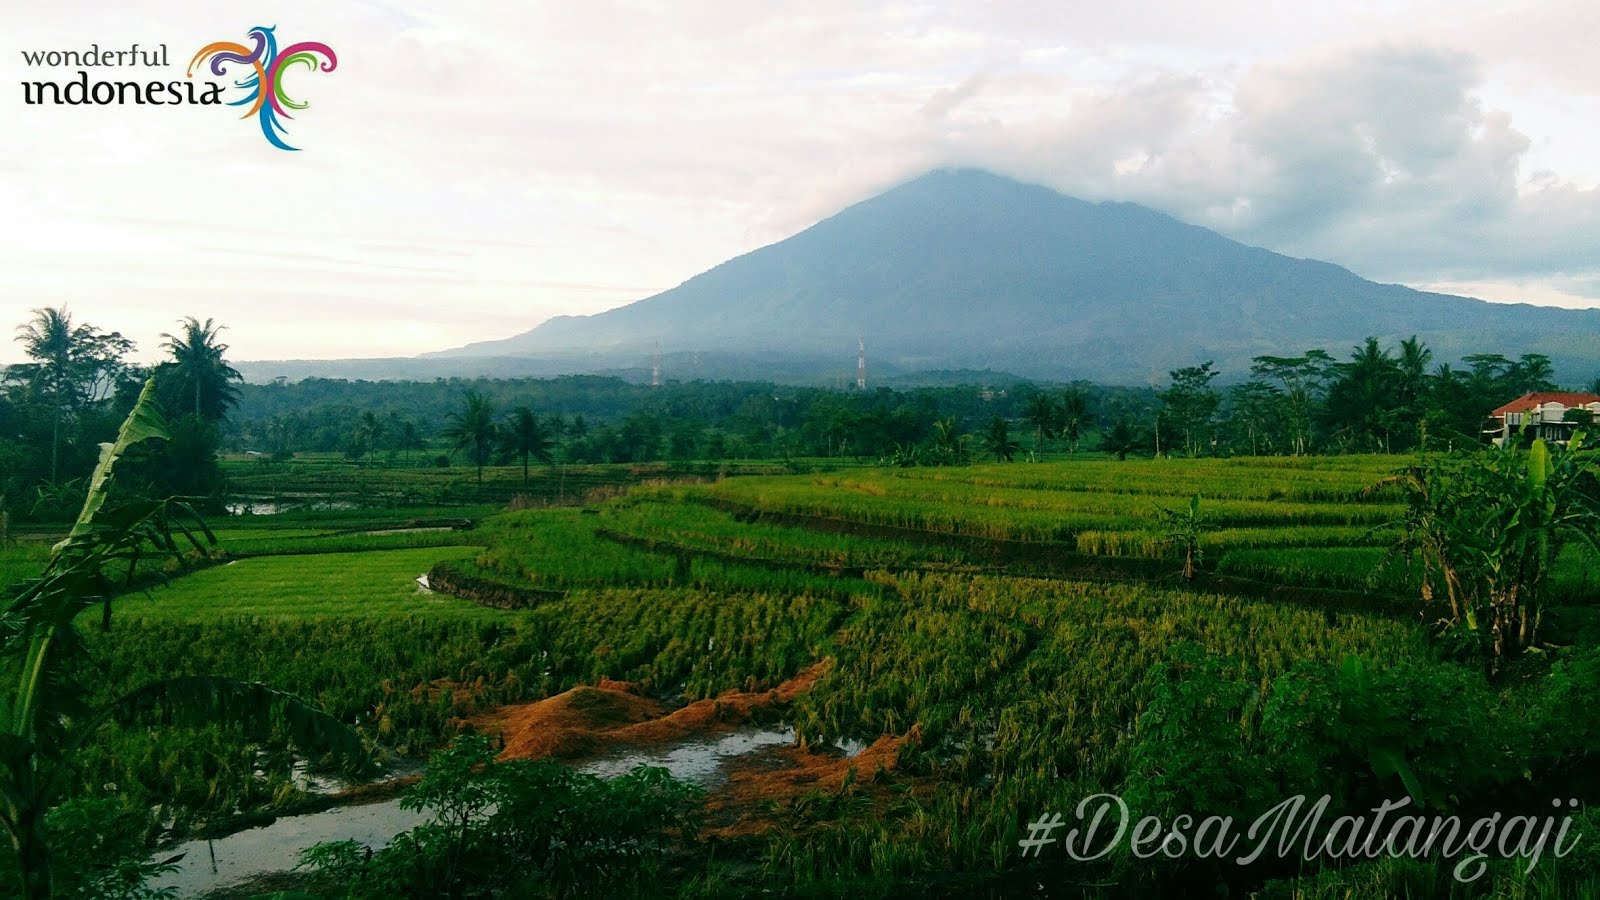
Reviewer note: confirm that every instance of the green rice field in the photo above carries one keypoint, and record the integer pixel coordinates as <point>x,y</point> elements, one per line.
<point>1021,631</point>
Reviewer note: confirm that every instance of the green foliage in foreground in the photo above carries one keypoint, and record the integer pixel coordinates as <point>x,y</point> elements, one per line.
<point>522,828</point>
<point>21,562</point>
<point>1488,528</point>
<point>47,718</point>
<point>1576,877</point>
<point>101,851</point>
<point>406,680</point>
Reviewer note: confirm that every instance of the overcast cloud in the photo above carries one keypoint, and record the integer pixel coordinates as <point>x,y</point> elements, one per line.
<point>473,168</point>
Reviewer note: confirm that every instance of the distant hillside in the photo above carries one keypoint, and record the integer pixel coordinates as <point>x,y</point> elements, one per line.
<point>966,269</point>
<point>630,366</point>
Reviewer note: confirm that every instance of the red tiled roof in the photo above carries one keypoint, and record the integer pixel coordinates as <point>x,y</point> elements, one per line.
<point>1527,402</point>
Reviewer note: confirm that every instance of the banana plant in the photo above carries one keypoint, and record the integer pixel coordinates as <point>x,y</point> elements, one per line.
<point>1554,497</point>
<point>46,717</point>
<point>1488,528</point>
<point>1436,533</point>
<point>1187,526</point>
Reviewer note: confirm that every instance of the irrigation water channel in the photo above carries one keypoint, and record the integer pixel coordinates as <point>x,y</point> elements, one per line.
<point>272,506</point>
<point>211,864</point>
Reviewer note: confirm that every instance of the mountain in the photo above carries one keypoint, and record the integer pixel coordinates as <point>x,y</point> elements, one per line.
<point>967,269</point>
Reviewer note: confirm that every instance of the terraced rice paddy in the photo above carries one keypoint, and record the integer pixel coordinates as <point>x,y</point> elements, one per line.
<point>1019,632</point>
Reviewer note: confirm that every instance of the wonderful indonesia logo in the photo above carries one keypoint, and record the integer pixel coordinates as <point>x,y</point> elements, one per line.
<point>257,72</point>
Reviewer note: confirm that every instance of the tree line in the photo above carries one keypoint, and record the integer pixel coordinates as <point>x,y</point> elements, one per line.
<point>77,383</point>
<point>597,419</point>
<point>1378,400</point>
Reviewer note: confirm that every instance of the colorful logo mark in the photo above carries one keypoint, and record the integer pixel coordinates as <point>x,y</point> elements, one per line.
<point>267,100</point>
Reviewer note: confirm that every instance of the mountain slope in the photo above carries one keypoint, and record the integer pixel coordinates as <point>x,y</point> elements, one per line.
<point>967,268</point>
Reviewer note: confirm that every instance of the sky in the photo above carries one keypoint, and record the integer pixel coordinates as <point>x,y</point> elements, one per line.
<point>471,168</point>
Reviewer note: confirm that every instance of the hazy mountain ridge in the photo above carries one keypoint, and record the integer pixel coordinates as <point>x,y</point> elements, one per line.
<point>966,269</point>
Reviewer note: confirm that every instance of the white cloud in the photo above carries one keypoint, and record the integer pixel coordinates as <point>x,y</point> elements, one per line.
<point>472,168</point>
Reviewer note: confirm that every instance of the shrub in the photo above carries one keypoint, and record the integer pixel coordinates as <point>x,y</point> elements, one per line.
<point>523,828</point>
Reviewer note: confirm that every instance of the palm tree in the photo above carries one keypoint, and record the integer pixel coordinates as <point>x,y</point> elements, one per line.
<point>1121,440</point>
<point>556,424</point>
<point>1533,372</point>
<point>48,341</point>
<point>1074,415</point>
<point>473,429</point>
<point>1042,414</point>
<point>947,434</point>
<point>369,431</point>
<point>558,427</point>
<point>409,438</point>
<point>276,434</point>
<point>45,720</point>
<point>72,365</point>
<point>525,436</point>
<point>1360,399</point>
<point>1413,367</point>
<point>997,440</point>
<point>201,372</point>
<point>949,442</point>
<point>1414,359</point>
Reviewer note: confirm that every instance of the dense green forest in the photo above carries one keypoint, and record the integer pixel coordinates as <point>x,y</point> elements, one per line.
<point>78,382</point>
<point>1378,399</point>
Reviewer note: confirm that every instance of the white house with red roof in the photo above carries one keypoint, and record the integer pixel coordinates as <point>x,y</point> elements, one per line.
<point>1552,415</point>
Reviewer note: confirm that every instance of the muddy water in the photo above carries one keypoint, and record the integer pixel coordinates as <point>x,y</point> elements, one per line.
<point>264,506</point>
<point>227,861</point>
<point>208,865</point>
<point>700,761</point>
